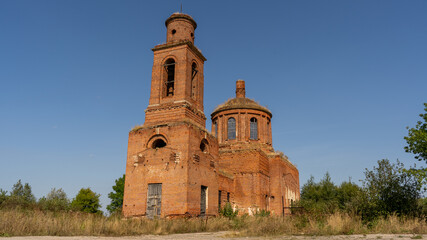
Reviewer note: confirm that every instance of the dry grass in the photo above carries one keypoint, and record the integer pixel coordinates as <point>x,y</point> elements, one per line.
<point>36,223</point>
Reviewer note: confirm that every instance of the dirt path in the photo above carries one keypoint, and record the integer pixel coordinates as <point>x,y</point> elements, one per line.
<point>228,235</point>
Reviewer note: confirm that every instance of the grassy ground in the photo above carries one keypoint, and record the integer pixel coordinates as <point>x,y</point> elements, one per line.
<point>38,223</point>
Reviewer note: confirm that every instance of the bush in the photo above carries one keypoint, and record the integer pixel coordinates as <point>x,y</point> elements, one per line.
<point>86,201</point>
<point>262,213</point>
<point>3,196</point>
<point>319,198</point>
<point>227,211</point>
<point>56,200</point>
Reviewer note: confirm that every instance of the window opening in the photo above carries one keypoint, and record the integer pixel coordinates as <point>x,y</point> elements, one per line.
<point>173,31</point>
<point>158,143</point>
<point>266,202</point>
<point>219,199</point>
<point>193,80</point>
<point>170,77</point>
<point>228,197</point>
<point>254,129</point>
<point>283,206</point>
<point>204,146</point>
<point>216,128</point>
<point>203,199</point>
<point>231,128</point>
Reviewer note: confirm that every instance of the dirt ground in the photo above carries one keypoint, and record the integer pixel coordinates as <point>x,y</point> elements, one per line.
<point>228,235</point>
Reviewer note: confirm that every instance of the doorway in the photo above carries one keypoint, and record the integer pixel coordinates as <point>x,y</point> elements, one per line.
<point>203,200</point>
<point>154,200</point>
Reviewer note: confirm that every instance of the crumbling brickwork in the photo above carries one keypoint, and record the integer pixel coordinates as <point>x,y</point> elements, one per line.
<point>175,167</point>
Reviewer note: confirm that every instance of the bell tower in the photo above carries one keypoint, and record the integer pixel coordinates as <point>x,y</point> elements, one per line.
<point>172,158</point>
<point>177,76</point>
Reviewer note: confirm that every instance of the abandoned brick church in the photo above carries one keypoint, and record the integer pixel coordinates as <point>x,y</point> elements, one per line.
<point>176,167</point>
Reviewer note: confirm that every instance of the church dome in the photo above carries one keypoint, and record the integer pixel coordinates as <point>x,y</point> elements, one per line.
<point>240,103</point>
<point>241,120</point>
<point>181,16</point>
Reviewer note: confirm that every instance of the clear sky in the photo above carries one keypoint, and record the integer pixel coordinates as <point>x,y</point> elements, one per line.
<point>342,78</point>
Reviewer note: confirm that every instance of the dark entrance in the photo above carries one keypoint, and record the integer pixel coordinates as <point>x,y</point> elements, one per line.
<point>203,193</point>
<point>154,200</point>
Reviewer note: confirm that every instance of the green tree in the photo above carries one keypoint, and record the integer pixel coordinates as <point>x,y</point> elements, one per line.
<point>319,198</point>
<point>117,196</point>
<point>56,200</point>
<point>3,196</point>
<point>22,193</point>
<point>325,197</point>
<point>349,196</point>
<point>417,138</point>
<point>86,201</point>
<point>417,144</point>
<point>390,190</point>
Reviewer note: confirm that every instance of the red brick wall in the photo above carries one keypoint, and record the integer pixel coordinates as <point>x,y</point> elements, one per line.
<point>284,182</point>
<point>249,170</point>
<point>181,167</point>
<point>184,29</point>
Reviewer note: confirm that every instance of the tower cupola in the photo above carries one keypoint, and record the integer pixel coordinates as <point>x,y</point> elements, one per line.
<point>180,27</point>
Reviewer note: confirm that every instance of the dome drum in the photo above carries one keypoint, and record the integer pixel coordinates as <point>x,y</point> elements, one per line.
<point>241,120</point>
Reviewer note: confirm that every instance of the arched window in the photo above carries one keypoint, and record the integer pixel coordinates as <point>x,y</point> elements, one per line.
<point>193,80</point>
<point>204,146</point>
<point>158,143</point>
<point>231,128</point>
<point>169,77</point>
<point>254,129</point>
<point>216,128</point>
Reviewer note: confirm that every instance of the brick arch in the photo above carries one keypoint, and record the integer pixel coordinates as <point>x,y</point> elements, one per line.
<point>155,137</point>
<point>168,86</point>
<point>169,56</point>
<point>204,145</point>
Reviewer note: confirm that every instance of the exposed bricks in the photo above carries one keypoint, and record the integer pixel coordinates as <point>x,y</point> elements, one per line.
<point>174,149</point>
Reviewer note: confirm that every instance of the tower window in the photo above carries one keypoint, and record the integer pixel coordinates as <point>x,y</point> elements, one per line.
<point>231,128</point>
<point>173,31</point>
<point>193,80</point>
<point>170,77</point>
<point>216,128</point>
<point>254,129</point>
<point>158,143</point>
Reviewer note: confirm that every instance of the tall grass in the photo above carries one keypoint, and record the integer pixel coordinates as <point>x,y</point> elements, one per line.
<point>20,222</point>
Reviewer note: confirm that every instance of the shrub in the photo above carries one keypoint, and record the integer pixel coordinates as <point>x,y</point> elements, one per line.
<point>56,200</point>
<point>3,196</point>
<point>262,213</point>
<point>227,211</point>
<point>86,201</point>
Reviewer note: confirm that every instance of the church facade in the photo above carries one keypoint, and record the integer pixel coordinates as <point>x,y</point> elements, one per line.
<point>176,167</point>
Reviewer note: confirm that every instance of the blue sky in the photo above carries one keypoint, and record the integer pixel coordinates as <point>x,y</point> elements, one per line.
<point>342,78</point>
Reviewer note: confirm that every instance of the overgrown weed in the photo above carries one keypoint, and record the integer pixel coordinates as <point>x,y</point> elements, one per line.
<point>21,222</point>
